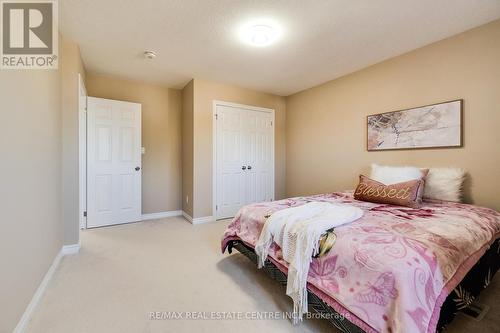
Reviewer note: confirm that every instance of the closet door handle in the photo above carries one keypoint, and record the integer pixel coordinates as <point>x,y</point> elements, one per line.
<point>249,167</point>
<point>243,168</point>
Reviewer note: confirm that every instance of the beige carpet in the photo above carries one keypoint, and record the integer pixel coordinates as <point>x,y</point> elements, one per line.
<point>125,272</point>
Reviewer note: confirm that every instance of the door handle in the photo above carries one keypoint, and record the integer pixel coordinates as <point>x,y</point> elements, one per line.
<point>243,168</point>
<point>249,167</point>
<point>137,168</point>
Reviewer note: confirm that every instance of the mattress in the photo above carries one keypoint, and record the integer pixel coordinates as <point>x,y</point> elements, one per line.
<point>393,269</point>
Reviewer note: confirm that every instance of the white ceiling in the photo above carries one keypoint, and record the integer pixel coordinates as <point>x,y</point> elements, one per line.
<point>322,39</point>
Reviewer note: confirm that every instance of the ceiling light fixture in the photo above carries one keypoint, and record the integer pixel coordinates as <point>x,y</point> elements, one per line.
<point>260,34</point>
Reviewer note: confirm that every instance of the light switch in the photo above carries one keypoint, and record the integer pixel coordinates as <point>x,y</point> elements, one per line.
<point>143,150</point>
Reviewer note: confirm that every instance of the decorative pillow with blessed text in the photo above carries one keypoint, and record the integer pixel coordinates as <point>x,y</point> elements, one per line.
<point>407,193</point>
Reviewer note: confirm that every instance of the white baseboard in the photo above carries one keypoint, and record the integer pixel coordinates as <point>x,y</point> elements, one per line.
<point>161,215</point>
<point>205,219</point>
<point>70,249</point>
<point>198,220</point>
<point>25,318</point>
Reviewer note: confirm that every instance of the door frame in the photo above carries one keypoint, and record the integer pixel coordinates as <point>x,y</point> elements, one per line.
<point>82,152</point>
<point>216,103</point>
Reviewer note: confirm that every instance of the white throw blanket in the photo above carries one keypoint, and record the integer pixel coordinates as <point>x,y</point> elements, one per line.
<point>297,231</point>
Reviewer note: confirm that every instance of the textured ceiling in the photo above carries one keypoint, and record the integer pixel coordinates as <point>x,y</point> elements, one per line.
<point>322,39</point>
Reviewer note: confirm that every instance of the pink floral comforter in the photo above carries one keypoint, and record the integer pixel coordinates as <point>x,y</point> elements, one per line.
<point>391,270</point>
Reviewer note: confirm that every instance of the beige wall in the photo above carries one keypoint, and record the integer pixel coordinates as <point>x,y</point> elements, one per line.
<point>70,65</point>
<point>187,148</point>
<point>205,93</point>
<point>161,136</point>
<point>30,186</point>
<point>326,125</point>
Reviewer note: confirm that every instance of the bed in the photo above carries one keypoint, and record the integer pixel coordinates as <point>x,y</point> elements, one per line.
<point>397,269</point>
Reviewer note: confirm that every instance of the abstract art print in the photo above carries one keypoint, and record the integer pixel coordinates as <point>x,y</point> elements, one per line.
<point>431,126</point>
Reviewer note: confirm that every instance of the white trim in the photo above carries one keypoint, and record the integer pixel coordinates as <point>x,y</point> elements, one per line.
<point>198,220</point>
<point>40,291</point>
<point>242,106</point>
<point>161,215</point>
<point>25,318</point>
<point>82,151</point>
<point>214,146</point>
<point>201,220</point>
<point>70,249</point>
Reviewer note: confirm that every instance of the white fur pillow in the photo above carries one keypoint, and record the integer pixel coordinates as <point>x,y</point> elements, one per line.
<point>444,184</point>
<point>392,175</point>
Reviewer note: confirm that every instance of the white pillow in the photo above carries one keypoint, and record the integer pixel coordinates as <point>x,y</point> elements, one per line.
<point>444,184</point>
<point>392,175</point>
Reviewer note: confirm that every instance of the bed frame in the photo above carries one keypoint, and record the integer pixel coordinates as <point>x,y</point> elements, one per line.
<point>473,283</point>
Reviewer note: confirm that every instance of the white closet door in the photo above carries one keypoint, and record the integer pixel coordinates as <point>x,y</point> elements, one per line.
<point>244,159</point>
<point>230,161</point>
<point>113,162</point>
<point>258,157</point>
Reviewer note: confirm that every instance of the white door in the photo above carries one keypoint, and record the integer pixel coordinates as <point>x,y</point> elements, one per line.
<point>259,157</point>
<point>244,158</point>
<point>113,162</point>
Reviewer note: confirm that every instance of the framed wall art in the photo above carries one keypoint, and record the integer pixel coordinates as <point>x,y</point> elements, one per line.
<point>431,126</point>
